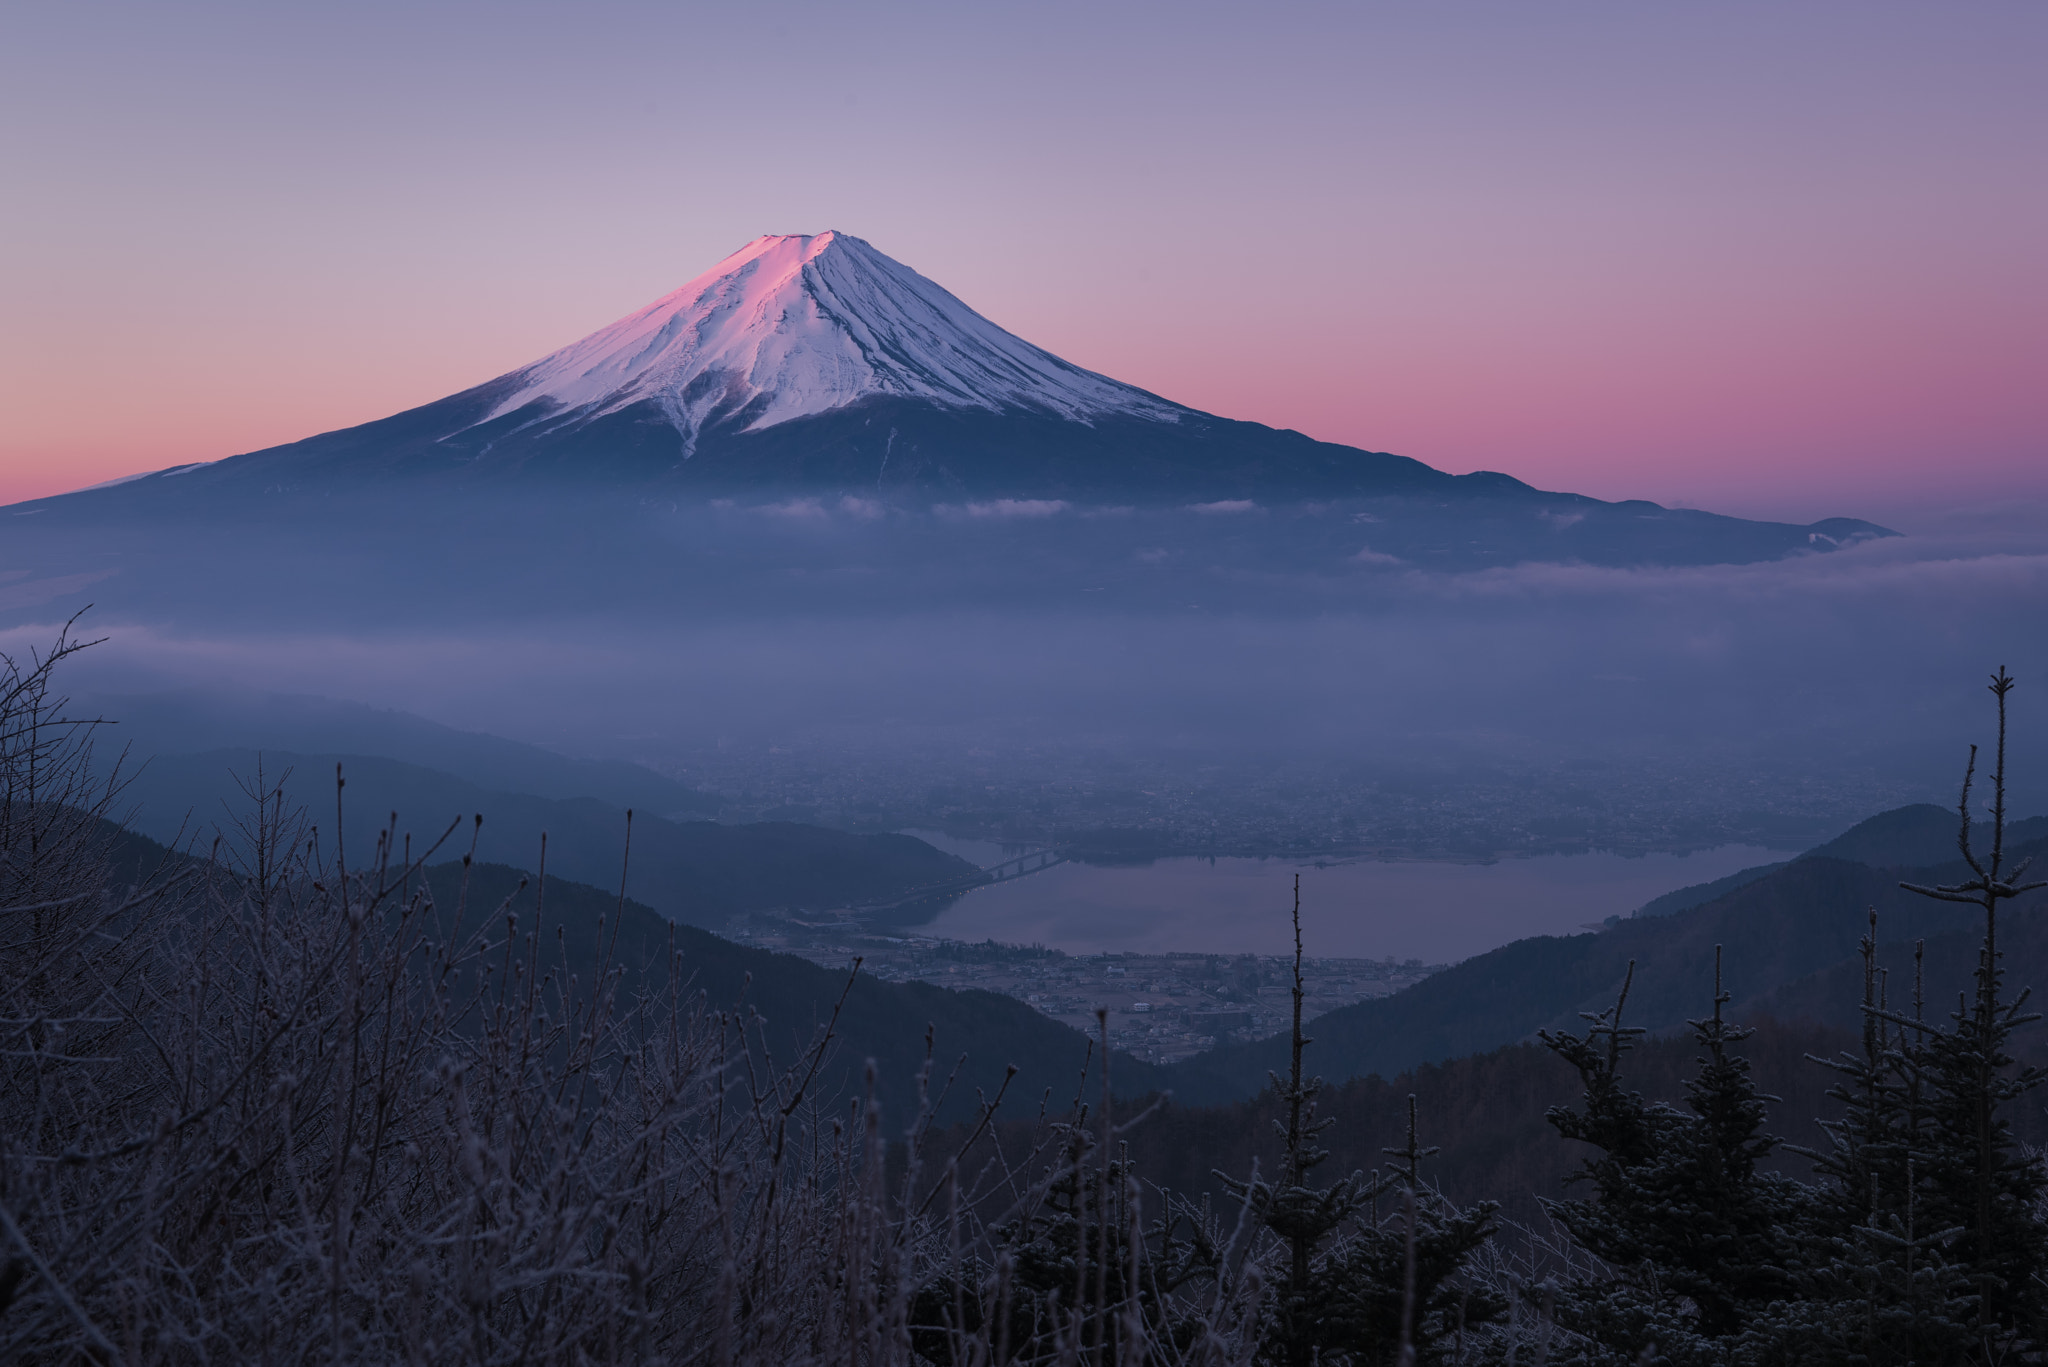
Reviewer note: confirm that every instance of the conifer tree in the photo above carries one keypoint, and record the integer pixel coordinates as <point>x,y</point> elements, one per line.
<point>1699,1241</point>
<point>1361,1291</point>
<point>1064,1268</point>
<point>1971,1173</point>
<point>1923,1242</point>
<point>1876,1285</point>
<point>1865,1167</point>
<point>1395,1294</point>
<point>1075,1276</point>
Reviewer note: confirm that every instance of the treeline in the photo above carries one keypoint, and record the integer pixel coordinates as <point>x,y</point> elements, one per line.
<point>1487,1114</point>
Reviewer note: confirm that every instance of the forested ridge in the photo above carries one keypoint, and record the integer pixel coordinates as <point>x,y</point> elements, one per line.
<point>1802,919</point>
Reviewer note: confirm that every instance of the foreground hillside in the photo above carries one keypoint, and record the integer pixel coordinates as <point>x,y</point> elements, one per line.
<point>974,1037</point>
<point>980,1034</point>
<point>264,1099</point>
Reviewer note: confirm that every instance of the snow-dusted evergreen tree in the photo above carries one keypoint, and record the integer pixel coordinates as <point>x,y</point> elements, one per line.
<point>1698,1240</point>
<point>1395,1291</point>
<point>1063,1270</point>
<point>1072,1274</point>
<point>1356,1287</point>
<point>1867,1168</point>
<point>1923,1241</point>
<point>1877,1282</point>
<point>1970,1172</point>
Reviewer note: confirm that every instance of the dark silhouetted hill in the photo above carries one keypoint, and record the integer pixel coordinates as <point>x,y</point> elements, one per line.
<point>1919,836</point>
<point>150,724</point>
<point>794,998</point>
<point>886,1022</point>
<point>696,871</point>
<point>1699,894</point>
<point>1795,922</point>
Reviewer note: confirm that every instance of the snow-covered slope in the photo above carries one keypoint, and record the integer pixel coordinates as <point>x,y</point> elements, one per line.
<point>788,327</point>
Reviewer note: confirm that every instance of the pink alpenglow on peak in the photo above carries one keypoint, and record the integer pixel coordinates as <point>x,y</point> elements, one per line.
<point>787,327</point>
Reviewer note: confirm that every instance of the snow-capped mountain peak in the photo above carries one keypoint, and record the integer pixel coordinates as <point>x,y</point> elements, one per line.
<point>791,326</point>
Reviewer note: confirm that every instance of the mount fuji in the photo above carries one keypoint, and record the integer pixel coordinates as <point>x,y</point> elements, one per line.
<point>816,371</point>
<point>791,327</point>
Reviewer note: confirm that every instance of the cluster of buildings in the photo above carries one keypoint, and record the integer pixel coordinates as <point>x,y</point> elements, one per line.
<point>1160,803</point>
<point>1160,1007</point>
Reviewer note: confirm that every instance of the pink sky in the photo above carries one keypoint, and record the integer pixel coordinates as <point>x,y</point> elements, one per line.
<point>1748,257</point>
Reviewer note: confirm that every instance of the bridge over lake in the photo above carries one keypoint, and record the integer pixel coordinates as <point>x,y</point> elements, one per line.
<point>1007,871</point>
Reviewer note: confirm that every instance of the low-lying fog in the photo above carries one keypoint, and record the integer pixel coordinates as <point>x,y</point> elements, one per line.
<point>1820,688</point>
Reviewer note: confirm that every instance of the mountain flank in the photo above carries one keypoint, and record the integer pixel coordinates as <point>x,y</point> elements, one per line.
<point>815,366</point>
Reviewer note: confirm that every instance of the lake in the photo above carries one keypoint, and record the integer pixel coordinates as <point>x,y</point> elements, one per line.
<point>1438,913</point>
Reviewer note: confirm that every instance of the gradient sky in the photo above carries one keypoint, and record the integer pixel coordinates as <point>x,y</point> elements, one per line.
<point>1774,259</point>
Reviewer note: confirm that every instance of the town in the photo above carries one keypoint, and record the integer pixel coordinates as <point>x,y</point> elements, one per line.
<point>1026,791</point>
<point>1162,1008</point>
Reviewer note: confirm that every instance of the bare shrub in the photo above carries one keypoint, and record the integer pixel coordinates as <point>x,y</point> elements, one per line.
<point>269,1105</point>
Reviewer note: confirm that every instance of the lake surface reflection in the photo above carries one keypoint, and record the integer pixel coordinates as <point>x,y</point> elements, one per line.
<point>1438,913</point>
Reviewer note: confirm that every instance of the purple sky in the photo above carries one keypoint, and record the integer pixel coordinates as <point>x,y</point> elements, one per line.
<point>1769,258</point>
